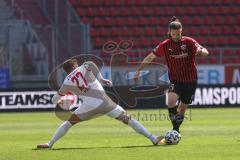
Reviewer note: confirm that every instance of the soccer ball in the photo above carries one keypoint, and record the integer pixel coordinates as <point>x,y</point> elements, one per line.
<point>172,137</point>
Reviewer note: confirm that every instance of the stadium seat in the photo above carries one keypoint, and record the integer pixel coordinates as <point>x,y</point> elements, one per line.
<point>149,31</point>
<point>226,30</point>
<point>233,40</point>
<point>147,11</point>
<point>215,30</point>
<point>211,40</point>
<point>229,52</point>
<point>204,30</point>
<point>137,31</point>
<point>103,31</point>
<point>221,41</point>
<point>143,21</point>
<point>124,11</point>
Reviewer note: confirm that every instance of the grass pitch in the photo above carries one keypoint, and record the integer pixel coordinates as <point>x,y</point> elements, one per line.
<point>212,134</point>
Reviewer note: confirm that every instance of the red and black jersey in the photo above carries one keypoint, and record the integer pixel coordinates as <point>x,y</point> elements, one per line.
<point>180,58</point>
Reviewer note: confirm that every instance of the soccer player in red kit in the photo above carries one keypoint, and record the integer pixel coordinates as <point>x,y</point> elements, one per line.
<point>179,52</point>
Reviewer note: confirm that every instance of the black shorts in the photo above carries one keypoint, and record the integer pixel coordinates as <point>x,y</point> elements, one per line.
<point>185,91</point>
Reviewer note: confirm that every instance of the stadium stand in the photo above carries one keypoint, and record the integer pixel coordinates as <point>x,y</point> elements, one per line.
<point>212,23</point>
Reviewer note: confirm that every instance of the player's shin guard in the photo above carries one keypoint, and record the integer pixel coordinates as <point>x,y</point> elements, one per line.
<point>175,118</point>
<point>177,121</point>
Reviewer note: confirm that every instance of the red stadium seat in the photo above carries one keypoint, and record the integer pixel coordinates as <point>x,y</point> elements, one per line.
<point>236,30</point>
<point>103,31</point>
<point>219,20</point>
<point>135,11</point>
<point>236,60</point>
<point>85,3</point>
<point>233,40</point>
<point>109,21</point>
<point>114,31</point>
<point>143,21</point>
<point>168,10</point>
<point>179,10</point>
<point>160,31</point>
<point>98,43</point>
<point>197,21</point>
<point>73,2</point>
<point>137,31</point>
<point>223,9</point>
<point>193,31</point>
<point>120,21</point>
<point>131,21</point>
<point>100,11</point>
<point>153,21</point>
<point>144,42</point>
<point>124,11</point>
<point>234,10</point>
<point>126,32</point>
<point>221,41</point>
<point>211,41</point>
<point>94,33</point>
<point>226,30</point>
<point>215,30</point>
<point>113,11</point>
<point>191,10</point>
<point>212,10</point>
<point>214,60</point>
<point>204,30</point>
<point>230,20</point>
<point>81,12</point>
<point>208,20</point>
<point>202,61</point>
<point>90,12</point>
<point>97,21</point>
<point>215,52</point>
<point>147,11</point>
<point>149,31</point>
<point>201,10</point>
<point>229,52</point>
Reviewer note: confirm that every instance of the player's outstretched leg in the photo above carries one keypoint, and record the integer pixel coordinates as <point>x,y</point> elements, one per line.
<point>61,131</point>
<point>139,128</point>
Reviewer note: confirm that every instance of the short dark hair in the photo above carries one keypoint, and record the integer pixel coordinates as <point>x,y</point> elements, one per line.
<point>69,64</point>
<point>175,23</point>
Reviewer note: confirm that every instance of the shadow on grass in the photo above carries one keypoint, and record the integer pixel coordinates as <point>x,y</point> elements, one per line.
<point>100,147</point>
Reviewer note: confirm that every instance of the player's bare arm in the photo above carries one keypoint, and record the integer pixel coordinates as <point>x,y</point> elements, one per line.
<point>91,66</point>
<point>202,51</point>
<point>147,60</point>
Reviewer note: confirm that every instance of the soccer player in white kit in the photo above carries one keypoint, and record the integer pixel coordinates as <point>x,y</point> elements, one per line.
<point>83,81</point>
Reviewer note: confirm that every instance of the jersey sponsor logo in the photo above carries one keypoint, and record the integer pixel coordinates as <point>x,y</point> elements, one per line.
<point>183,55</point>
<point>183,47</point>
<point>177,56</point>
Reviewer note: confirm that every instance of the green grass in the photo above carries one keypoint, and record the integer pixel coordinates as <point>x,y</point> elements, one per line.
<point>206,134</point>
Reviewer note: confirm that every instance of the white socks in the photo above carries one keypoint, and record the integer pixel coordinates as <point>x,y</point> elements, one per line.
<point>61,131</point>
<point>139,128</point>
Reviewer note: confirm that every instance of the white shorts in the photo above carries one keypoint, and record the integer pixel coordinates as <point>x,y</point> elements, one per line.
<point>94,107</point>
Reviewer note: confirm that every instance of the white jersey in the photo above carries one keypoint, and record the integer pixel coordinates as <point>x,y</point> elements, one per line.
<point>80,80</point>
<point>83,83</point>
